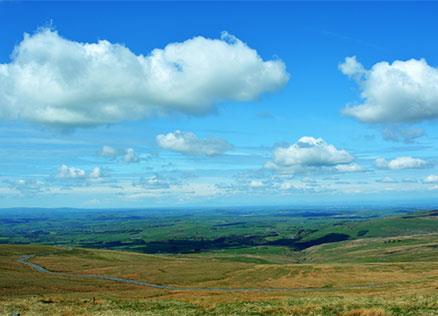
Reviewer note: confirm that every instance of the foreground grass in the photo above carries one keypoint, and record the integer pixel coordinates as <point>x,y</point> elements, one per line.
<point>330,305</point>
<point>386,288</point>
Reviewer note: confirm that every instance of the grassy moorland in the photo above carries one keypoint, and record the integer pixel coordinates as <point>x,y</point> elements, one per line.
<point>391,269</point>
<point>198,231</point>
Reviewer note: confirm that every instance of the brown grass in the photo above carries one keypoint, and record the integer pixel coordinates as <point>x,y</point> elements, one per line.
<point>366,312</point>
<point>388,287</point>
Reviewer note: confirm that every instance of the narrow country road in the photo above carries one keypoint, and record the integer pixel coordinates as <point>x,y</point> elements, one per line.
<point>25,259</point>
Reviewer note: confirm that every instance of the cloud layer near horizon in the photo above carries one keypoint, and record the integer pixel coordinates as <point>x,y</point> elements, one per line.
<point>60,82</point>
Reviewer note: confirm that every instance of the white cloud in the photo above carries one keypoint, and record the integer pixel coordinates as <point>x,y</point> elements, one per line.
<point>433,178</point>
<point>66,172</point>
<point>404,91</point>
<point>130,156</point>
<point>308,152</point>
<point>352,68</point>
<point>256,184</point>
<point>59,82</point>
<point>96,173</point>
<point>352,167</point>
<point>189,144</point>
<point>405,162</point>
<point>108,151</point>
<point>153,182</point>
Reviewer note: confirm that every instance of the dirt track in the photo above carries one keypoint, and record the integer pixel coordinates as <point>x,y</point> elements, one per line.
<point>25,260</point>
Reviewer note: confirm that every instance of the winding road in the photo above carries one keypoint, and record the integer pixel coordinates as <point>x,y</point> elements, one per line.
<point>25,259</point>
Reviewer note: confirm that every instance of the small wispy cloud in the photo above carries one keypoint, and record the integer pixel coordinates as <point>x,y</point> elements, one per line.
<point>189,144</point>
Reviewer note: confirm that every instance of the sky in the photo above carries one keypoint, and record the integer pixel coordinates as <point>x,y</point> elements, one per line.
<point>148,104</point>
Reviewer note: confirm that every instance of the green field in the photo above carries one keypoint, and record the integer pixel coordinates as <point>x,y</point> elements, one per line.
<point>197,231</point>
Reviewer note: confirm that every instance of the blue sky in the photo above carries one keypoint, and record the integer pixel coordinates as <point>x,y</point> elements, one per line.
<point>172,104</point>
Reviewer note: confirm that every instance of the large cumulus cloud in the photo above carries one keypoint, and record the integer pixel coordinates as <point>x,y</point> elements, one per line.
<point>398,92</point>
<point>55,81</point>
<point>310,153</point>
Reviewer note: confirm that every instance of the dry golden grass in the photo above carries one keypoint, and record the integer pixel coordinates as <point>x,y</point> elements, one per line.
<point>366,312</point>
<point>208,272</point>
<point>387,288</point>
